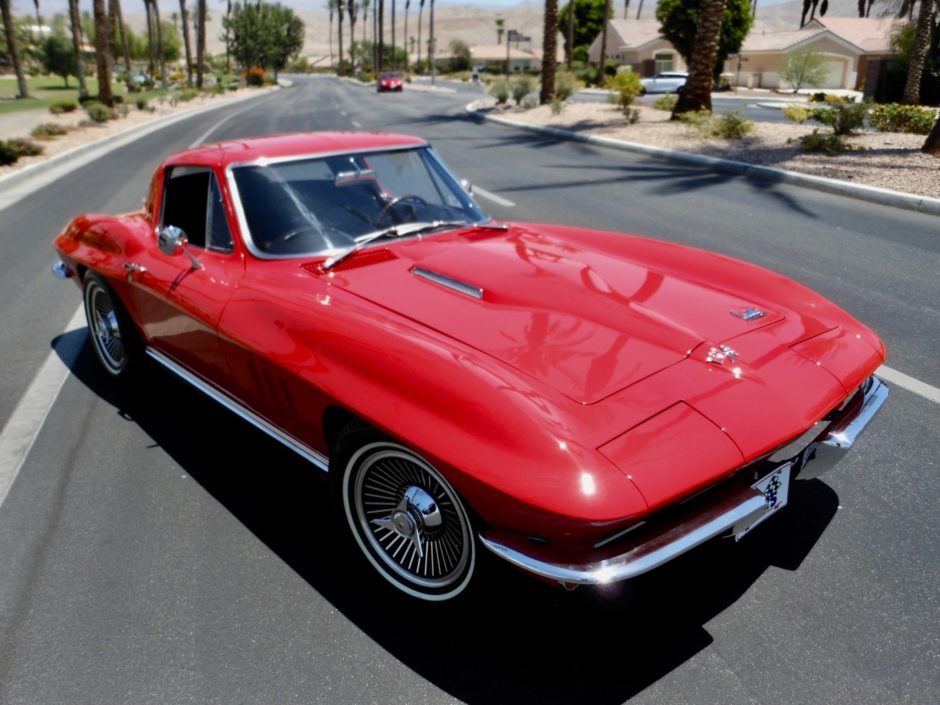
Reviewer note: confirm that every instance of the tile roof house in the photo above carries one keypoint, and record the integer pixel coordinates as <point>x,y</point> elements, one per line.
<point>638,43</point>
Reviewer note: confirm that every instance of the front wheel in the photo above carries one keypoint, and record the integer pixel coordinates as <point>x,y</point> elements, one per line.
<point>407,520</point>
<point>112,333</point>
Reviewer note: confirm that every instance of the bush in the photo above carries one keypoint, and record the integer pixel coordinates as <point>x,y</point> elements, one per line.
<point>48,131</point>
<point>698,119</point>
<point>255,76</point>
<point>63,106</point>
<point>142,104</point>
<point>499,89</point>
<point>666,102</point>
<point>521,87</point>
<point>832,145</point>
<point>902,118</point>
<point>797,113</point>
<point>632,115</point>
<point>7,154</point>
<point>187,95</point>
<point>529,102</point>
<point>843,118</point>
<point>731,126</point>
<point>566,85</point>
<point>23,148</point>
<point>557,105</point>
<point>627,86</point>
<point>98,112</point>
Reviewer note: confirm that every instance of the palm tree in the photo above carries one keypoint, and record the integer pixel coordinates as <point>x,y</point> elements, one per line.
<point>570,47</point>
<point>639,10</point>
<point>420,13</point>
<point>200,41</point>
<point>75,21</point>
<point>626,7</point>
<point>152,65</point>
<point>932,144</point>
<point>602,64</point>
<point>405,42</point>
<point>549,49</point>
<point>339,34</point>
<point>331,5</point>
<point>432,47</point>
<point>156,17</point>
<point>352,8</point>
<point>184,14</point>
<point>115,11</point>
<point>11,47</point>
<point>919,53</point>
<point>810,7</point>
<point>380,52</point>
<point>697,94</point>
<point>102,47</point>
<point>500,29</point>
<point>394,57</point>
<point>38,19</point>
<point>228,38</point>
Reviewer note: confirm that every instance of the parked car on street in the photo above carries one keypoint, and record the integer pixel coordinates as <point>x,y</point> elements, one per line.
<point>586,405</point>
<point>665,82</point>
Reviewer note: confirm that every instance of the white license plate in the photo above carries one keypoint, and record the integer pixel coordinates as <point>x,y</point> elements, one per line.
<point>776,489</point>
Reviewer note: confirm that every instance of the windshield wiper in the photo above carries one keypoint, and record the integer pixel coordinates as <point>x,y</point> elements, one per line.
<point>401,231</point>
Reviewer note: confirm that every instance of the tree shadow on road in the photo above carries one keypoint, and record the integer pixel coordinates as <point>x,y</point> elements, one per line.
<point>513,640</point>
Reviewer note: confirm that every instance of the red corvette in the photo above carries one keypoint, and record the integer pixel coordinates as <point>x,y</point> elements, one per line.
<point>586,405</point>
<point>390,81</point>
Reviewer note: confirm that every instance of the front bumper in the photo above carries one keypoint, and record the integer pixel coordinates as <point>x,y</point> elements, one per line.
<point>740,505</point>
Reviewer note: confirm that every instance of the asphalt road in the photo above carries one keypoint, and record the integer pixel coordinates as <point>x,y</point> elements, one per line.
<point>156,550</point>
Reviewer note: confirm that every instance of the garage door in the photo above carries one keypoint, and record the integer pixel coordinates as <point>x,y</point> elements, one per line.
<point>834,74</point>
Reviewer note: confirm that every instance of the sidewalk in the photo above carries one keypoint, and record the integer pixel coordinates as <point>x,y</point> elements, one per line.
<point>22,122</point>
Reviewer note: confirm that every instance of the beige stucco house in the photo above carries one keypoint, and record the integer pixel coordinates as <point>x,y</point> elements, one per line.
<point>638,44</point>
<point>847,43</point>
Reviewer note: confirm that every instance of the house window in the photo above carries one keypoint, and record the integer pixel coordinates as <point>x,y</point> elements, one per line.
<point>663,62</point>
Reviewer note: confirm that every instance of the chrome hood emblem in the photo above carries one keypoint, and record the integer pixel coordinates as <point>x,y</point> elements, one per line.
<point>748,314</point>
<point>720,354</point>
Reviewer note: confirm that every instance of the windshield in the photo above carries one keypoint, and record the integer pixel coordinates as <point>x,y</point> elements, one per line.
<point>321,205</point>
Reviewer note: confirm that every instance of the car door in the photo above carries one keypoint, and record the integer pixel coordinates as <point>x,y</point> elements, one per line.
<point>180,297</point>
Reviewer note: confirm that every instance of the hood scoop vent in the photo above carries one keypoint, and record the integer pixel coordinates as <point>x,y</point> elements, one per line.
<point>464,288</point>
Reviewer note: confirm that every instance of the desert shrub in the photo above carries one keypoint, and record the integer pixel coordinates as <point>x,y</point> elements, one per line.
<point>7,154</point>
<point>843,118</point>
<point>731,126</point>
<point>122,110</point>
<point>23,148</point>
<point>797,113</point>
<point>187,95</point>
<point>63,106</point>
<point>142,104</point>
<point>48,131</point>
<point>566,85</point>
<point>98,112</point>
<point>830,144</point>
<point>118,99</point>
<point>499,89</point>
<point>894,117</point>
<point>255,76</point>
<point>627,86</point>
<point>521,87</point>
<point>529,102</point>
<point>697,119</point>
<point>632,115</point>
<point>557,105</point>
<point>666,102</point>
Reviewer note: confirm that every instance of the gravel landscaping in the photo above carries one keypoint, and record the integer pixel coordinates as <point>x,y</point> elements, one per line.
<point>888,160</point>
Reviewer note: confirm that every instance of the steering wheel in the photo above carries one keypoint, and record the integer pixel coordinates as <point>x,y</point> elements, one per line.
<point>398,199</point>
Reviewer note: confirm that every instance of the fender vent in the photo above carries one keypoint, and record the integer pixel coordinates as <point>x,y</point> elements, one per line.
<point>451,283</point>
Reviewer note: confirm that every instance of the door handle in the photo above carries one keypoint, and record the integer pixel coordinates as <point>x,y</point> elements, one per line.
<point>132,268</point>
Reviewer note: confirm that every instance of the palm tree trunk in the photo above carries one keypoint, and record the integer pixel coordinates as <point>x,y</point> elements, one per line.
<point>432,46</point>
<point>380,63</point>
<point>919,53</point>
<point>420,13</point>
<point>697,94</point>
<point>394,56</point>
<point>932,144</point>
<point>549,49</point>
<point>339,36</point>
<point>102,49</point>
<point>330,5</point>
<point>11,47</point>
<point>152,63</point>
<point>201,42</point>
<point>228,38</point>
<point>118,15</point>
<point>626,8</point>
<point>570,47</point>
<point>184,14</point>
<point>75,22</point>
<point>39,21</point>
<point>352,9</point>
<point>405,38</point>
<point>639,10</point>
<point>602,64</point>
<point>156,16</point>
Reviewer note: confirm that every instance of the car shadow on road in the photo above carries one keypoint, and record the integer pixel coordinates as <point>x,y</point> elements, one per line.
<point>514,639</point>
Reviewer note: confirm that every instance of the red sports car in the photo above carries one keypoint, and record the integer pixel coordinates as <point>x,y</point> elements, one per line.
<point>586,405</point>
<point>389,81</point>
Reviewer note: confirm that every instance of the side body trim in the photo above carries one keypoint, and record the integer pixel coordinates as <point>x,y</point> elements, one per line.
<point>304,451</point>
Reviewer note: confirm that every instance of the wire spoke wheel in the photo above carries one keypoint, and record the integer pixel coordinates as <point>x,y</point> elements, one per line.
<point>408,521</point>
<point>105,326</point>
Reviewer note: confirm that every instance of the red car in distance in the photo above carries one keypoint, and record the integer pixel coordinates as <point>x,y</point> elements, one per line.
<point>586,405</point>
<point>390,81</point>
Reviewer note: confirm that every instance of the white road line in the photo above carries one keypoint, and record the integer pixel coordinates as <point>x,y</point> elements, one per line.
<point>24,424</point>
<point>909,383</point>
<point>204,135</point>
<point>356,124</point>
<point>477,191</point>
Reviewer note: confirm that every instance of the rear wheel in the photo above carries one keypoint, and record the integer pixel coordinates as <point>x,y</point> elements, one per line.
<point>112,333</point>
<point>407,520</point>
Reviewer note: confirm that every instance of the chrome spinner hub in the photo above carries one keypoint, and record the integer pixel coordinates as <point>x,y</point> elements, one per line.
<point>416,513</point>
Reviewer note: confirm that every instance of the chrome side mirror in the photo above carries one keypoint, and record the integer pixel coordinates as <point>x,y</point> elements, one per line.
<point>467,186</point>
<point>171,240</point>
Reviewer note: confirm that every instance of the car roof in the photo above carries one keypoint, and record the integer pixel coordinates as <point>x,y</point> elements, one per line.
<point>298,144</point>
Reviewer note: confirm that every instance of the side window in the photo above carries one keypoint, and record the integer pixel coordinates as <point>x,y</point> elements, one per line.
<point>192,201</point>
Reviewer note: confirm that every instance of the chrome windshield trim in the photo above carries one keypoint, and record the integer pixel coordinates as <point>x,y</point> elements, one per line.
<point>314,457</point>
<point>671,542</point>
<point>464,288</point>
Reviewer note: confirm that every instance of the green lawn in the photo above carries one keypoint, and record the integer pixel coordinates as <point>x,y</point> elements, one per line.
<point>45,90</point>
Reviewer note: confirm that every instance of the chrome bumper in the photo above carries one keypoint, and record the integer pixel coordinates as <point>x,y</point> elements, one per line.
<point>739,507</point>
<point>62,270</point>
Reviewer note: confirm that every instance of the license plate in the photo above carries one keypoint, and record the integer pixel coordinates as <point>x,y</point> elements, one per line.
<point>776,489</point>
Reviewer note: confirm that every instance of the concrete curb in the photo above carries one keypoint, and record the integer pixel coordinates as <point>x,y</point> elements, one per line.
<point>117,140</point>
<point>872,194</point>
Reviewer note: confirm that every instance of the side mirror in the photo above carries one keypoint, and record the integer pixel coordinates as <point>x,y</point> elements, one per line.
<point>170,240</point>
<point>467,186</point>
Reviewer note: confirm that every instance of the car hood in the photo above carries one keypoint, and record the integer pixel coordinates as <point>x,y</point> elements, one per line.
<point>586,313</point>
